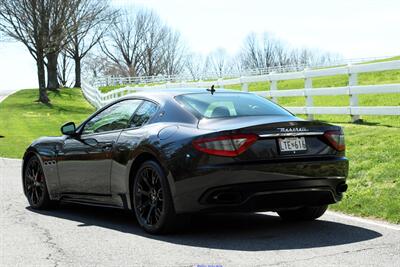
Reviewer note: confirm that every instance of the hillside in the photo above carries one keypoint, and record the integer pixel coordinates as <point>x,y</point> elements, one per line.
<point>22,120</point>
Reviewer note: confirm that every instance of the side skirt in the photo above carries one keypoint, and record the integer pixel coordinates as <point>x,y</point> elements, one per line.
<point>99,200</point>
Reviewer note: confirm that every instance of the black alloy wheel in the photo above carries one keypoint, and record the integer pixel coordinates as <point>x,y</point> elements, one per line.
<point>152,199</point>
<point>35,185</point>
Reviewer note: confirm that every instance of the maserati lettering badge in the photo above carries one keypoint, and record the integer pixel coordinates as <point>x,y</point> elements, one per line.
<point>295,129</point>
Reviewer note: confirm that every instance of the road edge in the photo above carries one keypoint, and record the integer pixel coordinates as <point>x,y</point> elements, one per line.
<point>5,97</point>
<point>375,222</point>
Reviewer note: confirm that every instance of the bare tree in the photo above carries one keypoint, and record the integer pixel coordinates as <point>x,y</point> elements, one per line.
<point>219,61</point>
<point>40,25</point>
<point>269,52</point>
<point>302,57</point>
<point>282,54</point>
<point>30,32</point>
<point>174,54</point>
<point>91,19</point>
<point>258,53</point>
<point>155,35</point>
<point>60,23</point>
<point>96,65</point>
<point>195,66</point>
<point>64,68</point>
<point>123,44</point>
<point>2,36</point>
<point>236,65</point>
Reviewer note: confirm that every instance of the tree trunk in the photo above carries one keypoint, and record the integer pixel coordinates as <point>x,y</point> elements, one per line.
<point>52,78</point>
<point>77,60</point>
<point>42,80</point>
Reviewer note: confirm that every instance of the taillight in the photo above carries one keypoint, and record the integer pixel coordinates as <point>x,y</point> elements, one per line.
<point>226,145</point>
<point>335,139</point>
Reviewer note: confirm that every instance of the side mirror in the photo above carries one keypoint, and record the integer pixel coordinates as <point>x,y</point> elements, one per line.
<point>68,128</point>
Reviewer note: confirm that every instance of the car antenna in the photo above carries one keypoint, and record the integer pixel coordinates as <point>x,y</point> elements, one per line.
<point>212,90</point>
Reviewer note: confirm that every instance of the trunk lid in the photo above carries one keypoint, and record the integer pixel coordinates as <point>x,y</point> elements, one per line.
<point>279,137</point>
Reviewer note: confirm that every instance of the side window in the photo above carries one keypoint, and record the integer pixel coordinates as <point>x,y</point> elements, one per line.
<point>143,114</point>
<point>114,117</point>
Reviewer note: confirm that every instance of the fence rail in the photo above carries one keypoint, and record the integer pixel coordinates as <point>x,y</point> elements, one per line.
<point>99,99</point>
<point>143,80</point>
<point>110,80</point>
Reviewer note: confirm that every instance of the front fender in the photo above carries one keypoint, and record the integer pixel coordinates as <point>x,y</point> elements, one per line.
<point>47,155</point>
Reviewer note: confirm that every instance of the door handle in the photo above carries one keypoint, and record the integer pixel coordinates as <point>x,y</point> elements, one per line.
<point>107,146</point>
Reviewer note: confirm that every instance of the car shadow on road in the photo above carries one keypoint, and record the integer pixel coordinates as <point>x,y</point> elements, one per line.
<point>246,232</point>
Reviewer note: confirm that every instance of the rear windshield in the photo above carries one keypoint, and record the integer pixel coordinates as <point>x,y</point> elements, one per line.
<point>229,105</point>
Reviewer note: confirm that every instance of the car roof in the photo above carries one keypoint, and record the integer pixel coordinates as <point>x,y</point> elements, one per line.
<point>168,93</point>
<point>180,91</point>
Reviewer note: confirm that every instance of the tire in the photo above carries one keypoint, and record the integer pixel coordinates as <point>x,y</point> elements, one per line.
<point>35,187</point>
<point>152,200</point>
<point>303,214</point>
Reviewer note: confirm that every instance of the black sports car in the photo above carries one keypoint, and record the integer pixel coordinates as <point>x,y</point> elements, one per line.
<point>168,154</point>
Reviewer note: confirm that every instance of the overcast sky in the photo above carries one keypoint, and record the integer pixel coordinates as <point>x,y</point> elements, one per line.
<point>352,28</point>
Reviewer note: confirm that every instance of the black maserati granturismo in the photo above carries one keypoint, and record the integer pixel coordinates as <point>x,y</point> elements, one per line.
<point>171,153</point>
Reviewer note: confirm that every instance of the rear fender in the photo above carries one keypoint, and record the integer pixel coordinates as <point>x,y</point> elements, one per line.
<point>133,164</point>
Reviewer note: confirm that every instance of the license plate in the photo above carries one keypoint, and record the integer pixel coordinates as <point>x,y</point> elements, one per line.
<point>292,144</point>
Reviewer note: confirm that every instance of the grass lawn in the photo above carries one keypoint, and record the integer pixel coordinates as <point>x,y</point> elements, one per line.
<point>373,150</point>
<point>22,120</point>
<point>109,88</point>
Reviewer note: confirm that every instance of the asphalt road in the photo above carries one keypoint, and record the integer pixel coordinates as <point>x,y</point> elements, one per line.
<point>4,94</point>
<point>85,236</point>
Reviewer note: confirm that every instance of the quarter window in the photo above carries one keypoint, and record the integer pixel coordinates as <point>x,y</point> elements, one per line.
<point>143,114</point>
<point>115,117</point>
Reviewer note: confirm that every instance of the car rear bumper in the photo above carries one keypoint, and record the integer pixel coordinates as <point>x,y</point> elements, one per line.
<point>262,186</point>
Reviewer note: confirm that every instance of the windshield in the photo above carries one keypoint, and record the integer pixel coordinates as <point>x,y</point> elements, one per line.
<point>229,105</point>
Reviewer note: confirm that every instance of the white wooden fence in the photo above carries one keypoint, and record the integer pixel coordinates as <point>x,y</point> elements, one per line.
<point>99,99</point>
<point>231,73</point>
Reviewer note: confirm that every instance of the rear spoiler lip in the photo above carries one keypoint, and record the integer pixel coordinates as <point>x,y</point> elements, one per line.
<point>290,134</point>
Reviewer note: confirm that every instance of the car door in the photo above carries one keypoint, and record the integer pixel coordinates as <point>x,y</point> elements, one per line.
<point>84,162</point>
<point>128,141</point>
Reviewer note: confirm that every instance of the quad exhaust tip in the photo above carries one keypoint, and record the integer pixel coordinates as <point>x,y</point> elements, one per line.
<point>227,197</point>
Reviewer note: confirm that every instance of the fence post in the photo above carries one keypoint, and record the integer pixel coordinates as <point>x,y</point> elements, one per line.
<point>309,98</point>
<point>353,80</point>
<point>273,87</point>
<point>245,86</point>
<point>220,83</point>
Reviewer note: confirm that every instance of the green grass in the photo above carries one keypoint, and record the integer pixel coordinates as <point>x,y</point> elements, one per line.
<point>384,77</point>
<point>22,120</point>
<point>383,60</point>
<point>109,88</point>
<point>374,178</point>
<point>373,150</point>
